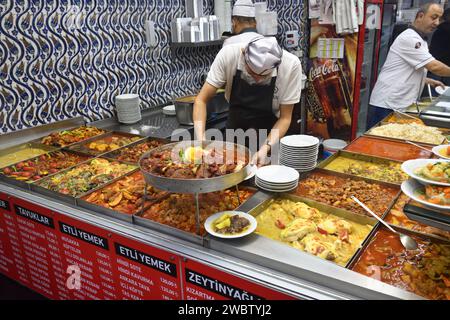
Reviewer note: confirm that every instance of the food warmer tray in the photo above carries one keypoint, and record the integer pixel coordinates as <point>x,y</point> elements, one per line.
<point>445,132</point>
<point>116,153</point>
<point>429,217</point>
<point>175,232</point>
<point>27,185</point>
<point>38,140</point>
<point>356,156</point>
<point>196,185</point>
<point>81,145</point>
<point>356,178</point>
<point>65,197</point>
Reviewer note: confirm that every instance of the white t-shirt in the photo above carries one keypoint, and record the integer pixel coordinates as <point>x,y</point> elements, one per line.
<point>245,37</point>
<point>402,77</point>
<point>287,86</point>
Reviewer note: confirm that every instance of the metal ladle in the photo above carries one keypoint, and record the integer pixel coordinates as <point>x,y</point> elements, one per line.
<point>408,242</point>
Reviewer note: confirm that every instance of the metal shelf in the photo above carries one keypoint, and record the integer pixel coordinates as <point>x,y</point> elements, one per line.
<point>196,44</point>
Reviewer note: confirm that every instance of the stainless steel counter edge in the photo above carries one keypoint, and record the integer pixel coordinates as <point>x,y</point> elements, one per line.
<point>240,268</point>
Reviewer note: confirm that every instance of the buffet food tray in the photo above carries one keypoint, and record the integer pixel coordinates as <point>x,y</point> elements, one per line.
<point>375,233</point>
<point>445,132</point>
<point>394,189</point>
<point>65,197</point>
<point>357,156</point>
<point>26,185</point>
<point>39,140</point>
<point>21,147</point>
<point>347,215</point>
<point>82,145</point>
<point>173,231</point>
<point>98,209</point>
<point>204,185</point>
<point>116,153</point>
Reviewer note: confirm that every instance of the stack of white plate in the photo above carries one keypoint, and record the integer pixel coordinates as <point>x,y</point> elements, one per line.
<point>128,108</point>
<point>277,178</point>
<point>299,152</point>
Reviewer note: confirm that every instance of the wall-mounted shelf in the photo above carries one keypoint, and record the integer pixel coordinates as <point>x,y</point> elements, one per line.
<point>197,44</point>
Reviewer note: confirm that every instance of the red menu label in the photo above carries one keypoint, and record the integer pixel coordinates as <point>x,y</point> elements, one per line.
<point>202,282</point>
<point>146,272</point>
<point>7,265</point>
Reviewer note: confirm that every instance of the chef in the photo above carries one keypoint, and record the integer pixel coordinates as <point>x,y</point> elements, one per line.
<point>243,23</point>
<point>403,75</point>
<point>262,84</point>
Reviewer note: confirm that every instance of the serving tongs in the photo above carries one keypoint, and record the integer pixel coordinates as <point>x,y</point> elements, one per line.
<point>407,242</point>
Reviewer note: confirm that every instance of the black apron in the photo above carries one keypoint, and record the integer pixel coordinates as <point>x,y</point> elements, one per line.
<point>251,105</point>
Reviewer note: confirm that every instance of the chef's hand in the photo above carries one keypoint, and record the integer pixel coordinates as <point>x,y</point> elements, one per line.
<point>260,158</point>
<point>434,83</point>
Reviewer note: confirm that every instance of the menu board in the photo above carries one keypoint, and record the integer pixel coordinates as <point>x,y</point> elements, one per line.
<point>62,257</point>
<point>202,282</point>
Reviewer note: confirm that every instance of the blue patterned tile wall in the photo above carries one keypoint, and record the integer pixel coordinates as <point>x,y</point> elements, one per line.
<point>66,58</point>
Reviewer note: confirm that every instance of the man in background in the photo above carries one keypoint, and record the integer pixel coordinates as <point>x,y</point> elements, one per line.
<point>243,23</point>
<point>403,75</point>
<point>440,45</point>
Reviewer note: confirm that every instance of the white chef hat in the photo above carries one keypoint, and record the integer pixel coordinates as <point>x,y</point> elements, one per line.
<point>244,8</point>
<point>263,54</point>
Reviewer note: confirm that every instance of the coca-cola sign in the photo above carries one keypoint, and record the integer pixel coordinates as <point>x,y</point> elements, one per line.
<point>327,68</point>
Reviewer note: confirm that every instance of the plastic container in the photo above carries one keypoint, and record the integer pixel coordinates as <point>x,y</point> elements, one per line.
<point>331,146</point>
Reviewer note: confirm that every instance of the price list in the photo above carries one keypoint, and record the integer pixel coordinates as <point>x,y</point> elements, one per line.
<point>145,272</point>
<point>7,264</point>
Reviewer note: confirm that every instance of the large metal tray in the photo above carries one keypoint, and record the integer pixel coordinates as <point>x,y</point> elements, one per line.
<point>196,185</point>
<point>26,185</point>
<point>64,197</point>
<point>384,184</point>
<point>356,156</point>
<point>23,146</point>
<point>107,211</point>
<point>116,153</point>
<point>81,146</point>
<point>266,198</point>
<point>191,237</point>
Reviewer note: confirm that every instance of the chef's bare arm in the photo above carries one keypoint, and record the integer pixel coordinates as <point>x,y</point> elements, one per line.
<point>282,124</point>
<point>207,93</point>
<point>438,68</point>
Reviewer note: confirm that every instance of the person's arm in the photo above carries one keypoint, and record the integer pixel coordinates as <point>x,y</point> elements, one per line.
<point>199,115</point>
<point>434,83</point>
<point>438,68</point>
<point>278,131</point>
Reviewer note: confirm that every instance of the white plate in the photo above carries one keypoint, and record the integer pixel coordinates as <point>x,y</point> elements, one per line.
<point>279,186</point>
<point>300,140</point>
<point>440,90</point>
<point>277,174</point>
<point>251,171</point>
<point>209,228</point>
<point>169,110</point>
<point>272,189</point>
<point>408,188</point>
<point>411,165</point>
<point>438,148</point>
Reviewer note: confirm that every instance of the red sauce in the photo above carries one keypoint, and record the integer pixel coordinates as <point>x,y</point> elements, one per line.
<point>394,150</point>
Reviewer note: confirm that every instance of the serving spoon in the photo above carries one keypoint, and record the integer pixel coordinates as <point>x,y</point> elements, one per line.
<point>408,242</point>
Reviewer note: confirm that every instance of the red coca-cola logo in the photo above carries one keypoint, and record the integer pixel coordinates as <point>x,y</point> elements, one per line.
<point>327,68</point>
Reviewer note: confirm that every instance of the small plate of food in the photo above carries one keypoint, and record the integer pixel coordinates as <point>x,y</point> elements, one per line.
<point>437,197</point>
<point>442,151</point>
<point>230,224</point>
<point>428,171</point>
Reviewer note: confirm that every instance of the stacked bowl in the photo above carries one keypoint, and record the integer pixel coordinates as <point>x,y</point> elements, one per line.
<point>299,152</point>
<point>128,108</point>
<point>276,178</point>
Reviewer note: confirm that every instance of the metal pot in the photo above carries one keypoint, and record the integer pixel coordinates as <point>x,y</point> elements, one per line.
<point>184,107</point>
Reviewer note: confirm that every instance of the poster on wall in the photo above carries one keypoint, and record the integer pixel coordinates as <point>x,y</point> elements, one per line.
<point>329,96</point>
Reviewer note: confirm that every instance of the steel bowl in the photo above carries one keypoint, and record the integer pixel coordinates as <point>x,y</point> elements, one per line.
<point>196,185</point>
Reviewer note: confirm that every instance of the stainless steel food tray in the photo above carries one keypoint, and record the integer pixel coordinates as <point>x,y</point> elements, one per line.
<point>81,146</point>
<point>116,153</point>
<point>26,145</point>
<point>26,185</point>
<point>357,178</point>
<point>356,156</point>
<point>64,197</point>
<point>38,141</point>
<point>196,185</point>
<point>97,209</point>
